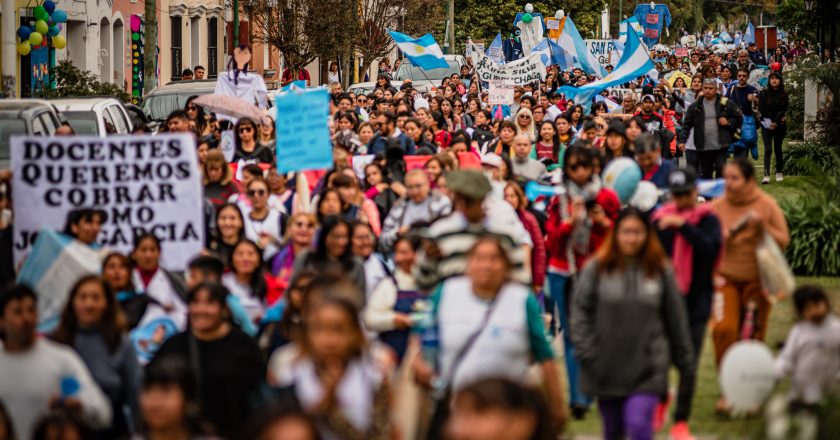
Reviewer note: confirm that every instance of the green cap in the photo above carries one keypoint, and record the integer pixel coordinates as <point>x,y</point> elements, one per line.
<point>472,184</point>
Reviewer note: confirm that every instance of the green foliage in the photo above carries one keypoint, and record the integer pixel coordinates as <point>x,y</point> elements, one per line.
<point>72,81</point>
<point>827,123</point>
<point>792,17</point>
<point>809,158</point>
<point>814,220</point>
<point>483,19</point>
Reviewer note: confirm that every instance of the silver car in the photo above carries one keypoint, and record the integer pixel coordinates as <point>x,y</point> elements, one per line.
<point>24,117</point>
<point>95,116</point>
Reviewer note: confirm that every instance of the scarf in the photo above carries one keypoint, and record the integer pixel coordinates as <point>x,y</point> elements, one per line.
<point>683,254</point>
<point>578,242</point>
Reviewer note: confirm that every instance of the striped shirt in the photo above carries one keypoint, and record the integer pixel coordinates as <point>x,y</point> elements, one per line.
<point>455,237</point>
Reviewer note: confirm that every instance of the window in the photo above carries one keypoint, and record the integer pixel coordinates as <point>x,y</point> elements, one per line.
<point>212,47</point>
<point>110,124</point>
<point>177,50</point>
<point>38,127</point>
<point>119,119</point>
<point>49,122</point>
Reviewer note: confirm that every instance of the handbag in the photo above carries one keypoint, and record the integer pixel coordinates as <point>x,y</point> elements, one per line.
<point>777,278</point>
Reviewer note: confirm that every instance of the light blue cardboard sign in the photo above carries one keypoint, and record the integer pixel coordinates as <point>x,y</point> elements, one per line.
<point>303,138</point>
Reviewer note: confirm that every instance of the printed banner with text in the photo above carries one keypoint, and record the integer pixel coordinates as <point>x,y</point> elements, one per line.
<point>520,72</point>
<point>143,183</point>
<point>303,137</point>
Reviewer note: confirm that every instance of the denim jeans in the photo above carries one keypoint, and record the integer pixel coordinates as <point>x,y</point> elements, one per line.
<point>560,303</point>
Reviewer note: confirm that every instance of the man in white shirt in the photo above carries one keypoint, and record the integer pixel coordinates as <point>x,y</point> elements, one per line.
<point>37,374</point>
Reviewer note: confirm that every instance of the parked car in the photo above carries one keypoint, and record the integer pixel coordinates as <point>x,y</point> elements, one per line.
<point>24,117</point>
<point>96,116</point>
<point>422,80</point>
<point>162,101</point>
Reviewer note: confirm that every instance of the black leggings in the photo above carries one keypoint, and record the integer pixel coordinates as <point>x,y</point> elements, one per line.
<point>773,144</point>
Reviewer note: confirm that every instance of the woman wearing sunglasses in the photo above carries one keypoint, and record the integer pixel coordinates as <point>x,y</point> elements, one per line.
<point>248,150</point>
<point>263,225</point>
<point>197,115</point>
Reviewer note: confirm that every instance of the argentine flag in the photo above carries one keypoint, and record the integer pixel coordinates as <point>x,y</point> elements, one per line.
<point>572,43</point>
<point>423,52</point>
<point>550,53</point>
<point>749,35</point>
<point>632,23</point>
<point>635,62</point>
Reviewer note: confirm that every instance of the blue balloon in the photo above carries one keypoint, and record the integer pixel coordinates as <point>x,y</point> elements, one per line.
<point>23,32</point>
<point>622,175</point>
<point>59,16</point>
<point>49,5</point>
<point>54,30</point>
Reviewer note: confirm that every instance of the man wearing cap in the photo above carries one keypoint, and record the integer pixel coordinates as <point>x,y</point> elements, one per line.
<point>690,233</point>
<point>713,120</point>
<point>648,152</point>
<point>420,205</point>
<point>655,123</point>
<point>523,165</point>
<point>449,240</point>
<point>755,55</point>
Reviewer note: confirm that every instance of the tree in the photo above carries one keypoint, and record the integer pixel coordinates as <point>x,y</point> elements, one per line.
<point>793,18</point>
<point>303,30</point>
<point>413,17</point>
<point>71,82</point>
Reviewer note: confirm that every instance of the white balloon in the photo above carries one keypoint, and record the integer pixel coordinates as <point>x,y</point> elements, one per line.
<point>747,376</point>
<point>529,8</point>
<point>645,197</point>
<point>559,14</point>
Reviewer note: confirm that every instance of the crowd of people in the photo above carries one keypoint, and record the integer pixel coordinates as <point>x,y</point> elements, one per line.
<point>413,290</point>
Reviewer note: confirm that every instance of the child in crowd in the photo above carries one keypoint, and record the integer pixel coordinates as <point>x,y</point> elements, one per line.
<point>811,355</point>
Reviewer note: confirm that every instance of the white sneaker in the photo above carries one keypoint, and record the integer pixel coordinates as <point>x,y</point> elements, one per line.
<point>766,180</point>
<point>779,177</point>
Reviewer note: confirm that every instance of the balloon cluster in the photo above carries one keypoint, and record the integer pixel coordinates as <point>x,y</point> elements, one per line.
<point>48,23</point>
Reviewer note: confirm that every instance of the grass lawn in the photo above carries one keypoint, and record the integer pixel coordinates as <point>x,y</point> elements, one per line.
<point>704,423</point>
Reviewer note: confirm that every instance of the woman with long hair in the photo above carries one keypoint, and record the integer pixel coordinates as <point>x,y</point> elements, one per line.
<point>565,131</point>
<point>466,312</point>
<point>116,271</point>
<point>289,330</point>
<point>227,362</point>
<point>266,138</point>
<point>578,223</point>
<point>747,215</point>
<point>354,204</point>
<point>414,129</point>
<point>525,123</point>
<point>333,255</point>
<point>248,150</point>
<point>448,113</point>
<point>95,327</point>
<point>300,233</point>
<point>218,179</point>
<point>773,104</point>
<point>503,144</point>
<point>198,117</point>
<point>575,116</point>
<point>626,361</point>
<point>616,143</point>
<point>247,281</point>
<point>439,129</point>
<point>329,204</point>
<point>516,198</point>
<point>335,377</point>
<point>548,148</point>
<point>263,223</point>
<point>230,227</point>
<point>165,290</point>
<point>366,133</point>
<point>333,76</point>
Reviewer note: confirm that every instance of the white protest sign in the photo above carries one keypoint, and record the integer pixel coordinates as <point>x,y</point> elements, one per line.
<point>143,183</point>
<point>228,145</point>
<point>602,49</point>
<point>520,72</point>
<point>476,46</point>
<point>500,93</point>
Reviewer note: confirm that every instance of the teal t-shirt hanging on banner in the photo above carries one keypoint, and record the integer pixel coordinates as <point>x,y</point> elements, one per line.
<point>303,138</point>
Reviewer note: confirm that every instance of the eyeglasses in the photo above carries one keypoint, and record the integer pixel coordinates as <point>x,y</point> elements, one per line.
<point>246,129</point>
<point>306,225</point>
<point>458,106</point>
<point>362,100</point>
<point>257,192</point>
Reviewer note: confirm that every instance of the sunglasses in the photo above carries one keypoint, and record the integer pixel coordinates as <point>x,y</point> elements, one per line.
<point>246,129</point>
<point>575,166</point>
<point>192,108</point>
<point>361,100</point>
<point>306,225</point>
<point>524,117</point>
<point>257,192</point>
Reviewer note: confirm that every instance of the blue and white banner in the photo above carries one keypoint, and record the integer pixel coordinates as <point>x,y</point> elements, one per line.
<point>424,52</point>
<point>634,63</point>
<point>303,137</point>
<point>495,51</point>
<point>551,53</point>
<point>572,43</point>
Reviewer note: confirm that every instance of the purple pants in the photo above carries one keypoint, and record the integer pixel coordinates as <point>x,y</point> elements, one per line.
<point>631,416</point>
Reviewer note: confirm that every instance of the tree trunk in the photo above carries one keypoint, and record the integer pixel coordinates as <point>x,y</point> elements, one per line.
<point>150,46</point>
<point>346,70</point>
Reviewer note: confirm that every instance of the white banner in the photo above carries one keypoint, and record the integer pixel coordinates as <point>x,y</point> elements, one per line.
<point>520,72</point>
<point>603,51</point>
<point>143,183</point>
<point>500,93</point>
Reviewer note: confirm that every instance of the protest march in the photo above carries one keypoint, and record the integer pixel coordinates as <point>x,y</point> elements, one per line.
<point>543,237</point>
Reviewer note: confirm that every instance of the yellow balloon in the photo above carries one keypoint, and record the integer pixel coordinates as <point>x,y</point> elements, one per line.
<point>35,38</point>
<point>24,48</point>
<point>59,42</point>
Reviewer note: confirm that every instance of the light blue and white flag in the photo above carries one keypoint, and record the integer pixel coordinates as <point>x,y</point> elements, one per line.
<point>573,44</point>
<point>634,63</point>
<point>495,51</point>
<point>551,53</point>
<point>612,106</point>
<point>52,267</point>
<point>725,37</point>
<point>632,23</point>
<point>749,34</point>
<point>424,52</point>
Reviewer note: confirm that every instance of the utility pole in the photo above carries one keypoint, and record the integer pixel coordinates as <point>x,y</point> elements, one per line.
<point>150,46</point>
<point>9,46</point>
<point>450,28</point>
<point>235,24</point>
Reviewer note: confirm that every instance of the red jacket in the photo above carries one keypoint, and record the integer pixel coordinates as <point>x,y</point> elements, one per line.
<point>538,252</point>
<point>559,231</point>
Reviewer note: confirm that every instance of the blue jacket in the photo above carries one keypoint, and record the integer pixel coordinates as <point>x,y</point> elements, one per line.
<point>660,177</point>
<point>379,144</point>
